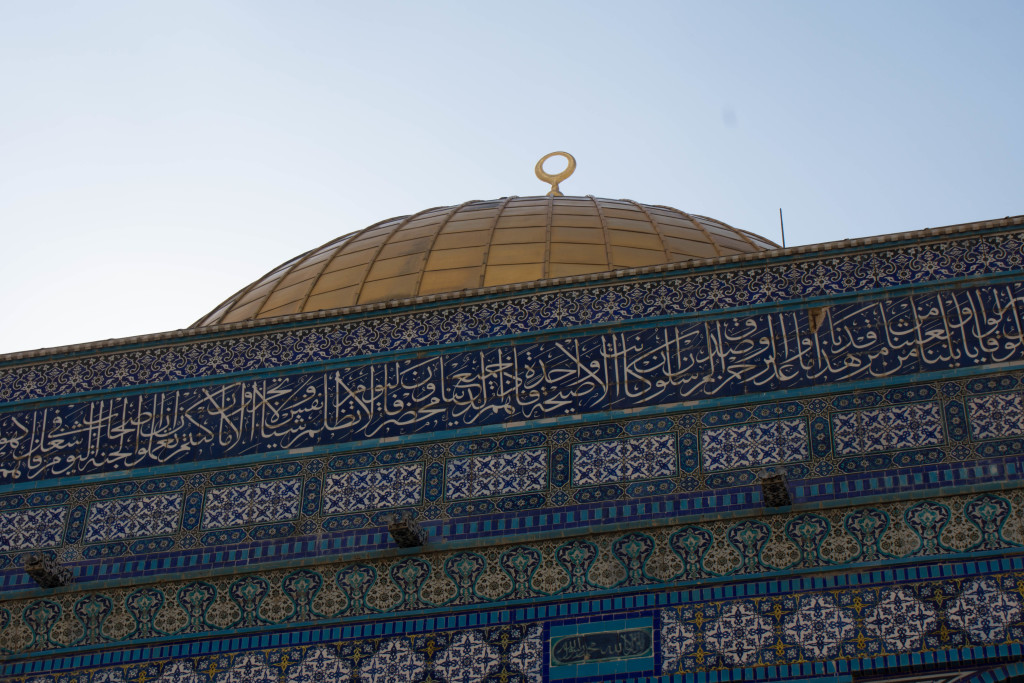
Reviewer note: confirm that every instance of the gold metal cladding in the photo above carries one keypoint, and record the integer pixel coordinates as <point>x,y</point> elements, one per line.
<point>555,178</point>
<point>483,244</point>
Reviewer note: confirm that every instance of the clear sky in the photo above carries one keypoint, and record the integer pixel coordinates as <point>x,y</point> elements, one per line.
<point>155,157</point>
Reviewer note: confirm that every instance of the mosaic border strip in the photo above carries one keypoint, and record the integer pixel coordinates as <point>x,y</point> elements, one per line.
<point>657,366</point>
<point>705,553</point>
<point>65,519</point>
<point>669,295</point>
<point>887,622</point>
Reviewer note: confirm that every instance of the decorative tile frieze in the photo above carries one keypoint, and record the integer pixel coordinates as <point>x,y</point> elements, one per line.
<point>514,652</point>
<point>863,621</point>
<point>674,294</point>
<point>558,378</point>
<point>647,457</point>
<point>372,489</point>
<point>826,470</point>
<point>848,624</point>
<point>498,474</point>
<point>914,425</point>
<point>754,445</point>
<point>270,501</point>
<point>709,552</point>
<point>34,528</point>
<point>996,416</point>
<point>123,518</point>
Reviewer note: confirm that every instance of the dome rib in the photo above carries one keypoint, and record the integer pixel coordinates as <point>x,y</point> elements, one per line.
<point>433,240</point>
<point>547,236</point>
<point>481,244</point>
<point>342,241</point>
<point>490,237</point>
<point>380,248</point>
<point>700,226</point>
<point>657,228</point>
<point>604,229</point>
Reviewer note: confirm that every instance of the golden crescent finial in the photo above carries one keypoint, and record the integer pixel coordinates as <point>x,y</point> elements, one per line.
<point>555,178</point>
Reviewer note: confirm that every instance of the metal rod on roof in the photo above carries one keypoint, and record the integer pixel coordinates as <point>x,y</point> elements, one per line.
<point>782,227</point>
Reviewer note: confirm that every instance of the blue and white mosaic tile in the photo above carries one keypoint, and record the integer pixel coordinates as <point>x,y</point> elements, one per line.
<point>755,444</point>
<point>370,489</point>
<point>133,517</point>
<point>269,501</point>
<point>38,528</point>
<point>518,382</point>
<point>468,656</point>
<point>648,457</point>
<point>984,610</point>
<point>996,416</point>
<point>888,429</point>
<point>498,474</point>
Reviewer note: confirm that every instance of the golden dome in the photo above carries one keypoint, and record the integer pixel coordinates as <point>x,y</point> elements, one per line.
<point>483,244</point>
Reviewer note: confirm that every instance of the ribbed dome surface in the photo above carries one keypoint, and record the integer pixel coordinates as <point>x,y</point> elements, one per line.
<point>482,244</point>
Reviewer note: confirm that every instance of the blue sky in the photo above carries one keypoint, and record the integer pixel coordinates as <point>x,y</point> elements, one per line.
<point>155,157</point>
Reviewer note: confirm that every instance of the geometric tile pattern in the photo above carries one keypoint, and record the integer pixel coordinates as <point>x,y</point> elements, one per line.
<point>469,658</point>
<point>819,626</point>
<point>498,474</point>
<point>845,624</point>
<point>755,444</point>
<point>268,501</point>
<point>900,620</point>
<point>39,528</point>
<point>888,429</point>
<point>865,620</point>
<point>370,489</point>
<point>984,610</point>
<point>648,457</point>
<point>739,633</point>
<point>515,653</point>
<point>133,517</point>
<point>995,416</point>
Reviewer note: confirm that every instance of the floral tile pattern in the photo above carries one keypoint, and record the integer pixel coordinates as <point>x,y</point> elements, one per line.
<point>371,489</point>
<point>888,429</point>
<point>996,416</point>
<point>39,528</point>
<point>646,457</point>
<point>134,517</point>
<point>270,501</point>
<point>498,474</point>
<point>754,444</point>
<point>984,610</point>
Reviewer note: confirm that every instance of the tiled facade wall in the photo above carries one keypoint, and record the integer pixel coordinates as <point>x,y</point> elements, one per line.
<point>585,462</point>
<point>488,487</point>
<point>961,617</point>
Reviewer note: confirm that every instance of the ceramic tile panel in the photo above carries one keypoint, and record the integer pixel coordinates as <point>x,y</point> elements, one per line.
<point>268,501</point>
<point>133,517</point>
<point>371,489</point>
<point>866,622</point>
<point>496,474</point>
<point>888,429</point>
<point>823,476</point>
<point>754,445</point>
<point>996,416</point>
<point>647,457</point>
<point>27,529</point>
